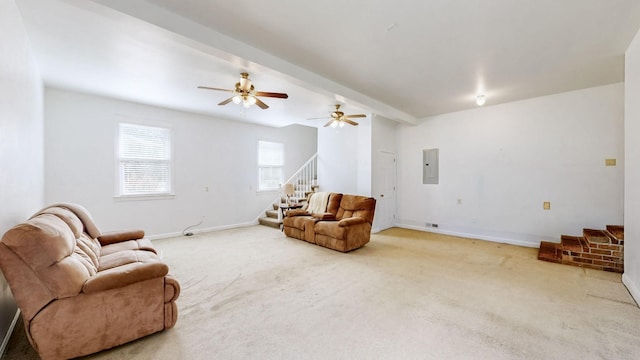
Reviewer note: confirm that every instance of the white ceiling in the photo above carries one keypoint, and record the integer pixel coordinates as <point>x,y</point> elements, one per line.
<point>402,59</point>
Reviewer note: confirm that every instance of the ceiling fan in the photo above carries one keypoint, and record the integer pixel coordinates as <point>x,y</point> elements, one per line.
<point>338,118</point>
<point>246,94</point>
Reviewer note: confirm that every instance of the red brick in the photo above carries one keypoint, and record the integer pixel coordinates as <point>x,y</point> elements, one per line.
<point>617,254</point>
<point>611,258</point>
<point>601,252</point>
<point>609,247</point>
<point>592,256</point>
<point>604,263</point>
<point>581,260</point>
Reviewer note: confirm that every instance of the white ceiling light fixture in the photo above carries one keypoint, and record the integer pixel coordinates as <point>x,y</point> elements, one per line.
<point>480,99</point>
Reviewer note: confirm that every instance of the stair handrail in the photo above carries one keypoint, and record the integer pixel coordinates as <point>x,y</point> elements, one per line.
<point>308,170</point>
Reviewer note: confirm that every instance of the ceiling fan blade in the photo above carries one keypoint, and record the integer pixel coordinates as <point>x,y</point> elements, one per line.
<point>271,94</point>
<point>356,116</point>
<point>329,123</point>
<point>212,88</point>
<point>226,101</point>
<point>262,105</point>
<point>350,122</point>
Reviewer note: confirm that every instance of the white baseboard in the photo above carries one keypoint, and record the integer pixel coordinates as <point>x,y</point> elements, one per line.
<point>503,239</point>
<point>199,231</point>
<point>633,289</point>
<point>7,337</point>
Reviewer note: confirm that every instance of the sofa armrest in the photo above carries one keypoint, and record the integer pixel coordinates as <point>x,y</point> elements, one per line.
<point>125,275</point>
<point>351,221</point>
<point>120,236</point>
<point>324,216</point>
<point>297,212</point>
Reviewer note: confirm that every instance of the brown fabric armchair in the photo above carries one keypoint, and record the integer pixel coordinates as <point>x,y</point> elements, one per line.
<point>81,291</point>
<point>345,226</point>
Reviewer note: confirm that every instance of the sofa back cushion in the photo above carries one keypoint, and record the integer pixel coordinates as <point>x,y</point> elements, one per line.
<point>334,203</point>
<point>49,246</point>
<point>356,206</point>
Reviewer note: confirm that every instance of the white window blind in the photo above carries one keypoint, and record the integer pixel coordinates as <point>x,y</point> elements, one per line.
<point>270,165</point>
<point>145,160</point>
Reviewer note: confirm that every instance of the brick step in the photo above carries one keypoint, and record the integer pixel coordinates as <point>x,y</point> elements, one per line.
<point>550,252</point>
<point>617,231</point>
<point>597,249</point>
<point>596,236</point>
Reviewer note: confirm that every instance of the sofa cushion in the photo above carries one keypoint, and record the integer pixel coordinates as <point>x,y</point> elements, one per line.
<point>41,242</point>
<point>356,206</point>
<point>139,244</point>
<point>126,257</point>
<point>68,217</point>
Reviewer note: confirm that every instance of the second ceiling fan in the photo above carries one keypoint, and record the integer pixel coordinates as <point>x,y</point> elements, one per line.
<point>246,94</point>
<point>338,118</point>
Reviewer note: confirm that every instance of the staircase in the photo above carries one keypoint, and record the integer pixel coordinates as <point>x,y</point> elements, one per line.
<point>272,217</point>
<point>595,249</point>
<point>305,183</point>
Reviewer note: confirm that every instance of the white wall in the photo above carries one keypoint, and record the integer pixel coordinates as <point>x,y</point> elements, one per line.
<point>80,143</point>
<point>344,158</point>
<point>631,276</point>
<point>21,138</point>
<point>504,161</point>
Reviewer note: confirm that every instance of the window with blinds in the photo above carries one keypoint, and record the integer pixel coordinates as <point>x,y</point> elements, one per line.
<point>144,160</point>
<point>270,165</point>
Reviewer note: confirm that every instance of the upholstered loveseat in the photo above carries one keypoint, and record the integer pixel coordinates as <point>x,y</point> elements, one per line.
<point>81,291</point>
<point>343,225</point>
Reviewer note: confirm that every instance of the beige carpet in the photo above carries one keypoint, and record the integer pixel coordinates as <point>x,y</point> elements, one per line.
<point>252,293</point>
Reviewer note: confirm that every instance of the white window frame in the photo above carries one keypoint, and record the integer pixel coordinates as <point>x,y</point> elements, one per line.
<point>270,163</point>
<point>162,157</point>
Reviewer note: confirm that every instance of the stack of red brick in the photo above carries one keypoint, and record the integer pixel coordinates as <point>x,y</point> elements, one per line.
<point>595,249</point>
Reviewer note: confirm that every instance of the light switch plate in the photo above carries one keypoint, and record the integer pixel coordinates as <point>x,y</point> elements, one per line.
<point>546,205</point>
<point>610,162</point>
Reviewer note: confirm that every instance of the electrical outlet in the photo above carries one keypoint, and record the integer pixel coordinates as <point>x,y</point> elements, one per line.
<point>546,205</point>
<point>459,201</point>
<point>206,189</point>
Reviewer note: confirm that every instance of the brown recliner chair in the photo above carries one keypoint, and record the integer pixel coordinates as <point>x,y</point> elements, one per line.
<point>81,291</point>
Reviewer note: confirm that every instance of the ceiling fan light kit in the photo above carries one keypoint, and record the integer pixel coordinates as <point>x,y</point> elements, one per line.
<point>246,94</point>
<point>338,118</point>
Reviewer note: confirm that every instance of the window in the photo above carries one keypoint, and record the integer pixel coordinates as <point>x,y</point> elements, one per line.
<point>270,163</point>
<point>144,160</point>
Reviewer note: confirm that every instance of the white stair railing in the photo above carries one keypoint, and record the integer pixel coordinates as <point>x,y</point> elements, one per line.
<point>303,180</point>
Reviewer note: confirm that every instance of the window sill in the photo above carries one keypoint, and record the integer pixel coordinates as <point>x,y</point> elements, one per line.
<point>144,197</point>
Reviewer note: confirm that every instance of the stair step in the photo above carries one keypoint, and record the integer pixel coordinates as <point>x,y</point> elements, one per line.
<point>571,243</point>
<point>274,223</point>
<point>596,249</point>
<point>617,231</point>
<point>596,236</point>
<point>550,252</point>
<point>273,214</point>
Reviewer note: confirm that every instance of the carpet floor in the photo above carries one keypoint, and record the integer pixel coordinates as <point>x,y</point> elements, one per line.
<point>252,293</point>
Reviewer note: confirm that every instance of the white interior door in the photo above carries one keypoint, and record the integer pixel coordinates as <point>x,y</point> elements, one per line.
<point>387,197</point>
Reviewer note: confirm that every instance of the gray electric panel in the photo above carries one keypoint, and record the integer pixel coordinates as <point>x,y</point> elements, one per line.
<point>430,166</point>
